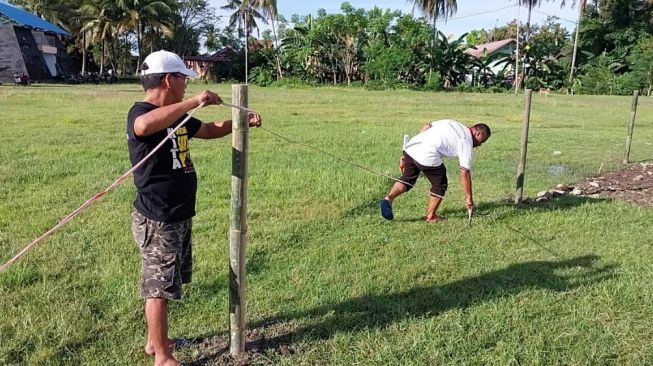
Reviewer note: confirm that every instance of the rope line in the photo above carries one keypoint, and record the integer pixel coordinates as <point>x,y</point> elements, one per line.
<point>123,177</point>
<point>97,196</point>
<point>335,157</point>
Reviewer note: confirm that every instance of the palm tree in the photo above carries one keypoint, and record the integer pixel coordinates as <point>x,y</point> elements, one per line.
<point>158,15</point>
<point>99,19</point>
<point>432,10</point>
<point>530,4</point>
<point>244,15</point>
<point>268,8</point>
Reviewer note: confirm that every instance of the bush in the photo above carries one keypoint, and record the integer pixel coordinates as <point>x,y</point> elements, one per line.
<point>294,82</point>
<point>434,82</point>
<point>533,83</point>
<point>261,76</point>
<point>376,85</point>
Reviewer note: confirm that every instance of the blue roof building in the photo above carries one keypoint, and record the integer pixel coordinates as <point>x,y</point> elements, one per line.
<point>30,45</point>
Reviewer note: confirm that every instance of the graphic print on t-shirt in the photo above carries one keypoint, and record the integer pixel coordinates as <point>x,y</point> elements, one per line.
<point>180,151</point>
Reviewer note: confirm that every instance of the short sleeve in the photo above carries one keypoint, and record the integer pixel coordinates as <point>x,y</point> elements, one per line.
<point>137,110</point>
<point>465,155</point>
<point>193,125</point>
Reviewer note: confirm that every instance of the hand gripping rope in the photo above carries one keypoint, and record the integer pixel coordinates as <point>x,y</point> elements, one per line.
<point>99,195</point>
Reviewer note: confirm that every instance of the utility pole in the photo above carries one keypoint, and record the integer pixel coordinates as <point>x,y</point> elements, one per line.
<point>517,50</point>
<point>581,7</point>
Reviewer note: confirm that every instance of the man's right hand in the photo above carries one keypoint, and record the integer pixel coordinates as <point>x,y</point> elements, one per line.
<point>208,98</point>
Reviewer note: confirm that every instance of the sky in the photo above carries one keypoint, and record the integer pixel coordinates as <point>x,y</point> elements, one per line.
<point>471,14</point>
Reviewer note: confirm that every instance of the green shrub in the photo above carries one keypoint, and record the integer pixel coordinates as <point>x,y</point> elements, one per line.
<point>294,82</point>
<point>261,76</point>
<point>434,82</point>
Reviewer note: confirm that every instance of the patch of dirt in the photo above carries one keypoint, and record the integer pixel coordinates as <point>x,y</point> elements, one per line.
<point>633,184</point>
<point>266,339</point>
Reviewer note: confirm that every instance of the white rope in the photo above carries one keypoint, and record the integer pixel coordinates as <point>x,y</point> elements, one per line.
<point>338,158</point>
<point>95,197</point>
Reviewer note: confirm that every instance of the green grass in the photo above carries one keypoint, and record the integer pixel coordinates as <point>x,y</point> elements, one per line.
<point>567,282</point>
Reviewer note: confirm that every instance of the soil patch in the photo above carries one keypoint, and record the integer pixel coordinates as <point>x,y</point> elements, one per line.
<point>634,184</point>
<point>266,339</point>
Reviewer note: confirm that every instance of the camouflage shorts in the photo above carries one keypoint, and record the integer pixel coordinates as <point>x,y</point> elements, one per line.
<point>166,254</point>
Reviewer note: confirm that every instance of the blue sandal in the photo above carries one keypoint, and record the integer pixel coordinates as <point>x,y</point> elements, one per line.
<point>386,209</point>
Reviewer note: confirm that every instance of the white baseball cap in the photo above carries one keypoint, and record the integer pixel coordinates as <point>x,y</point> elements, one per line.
<point>165,62</point>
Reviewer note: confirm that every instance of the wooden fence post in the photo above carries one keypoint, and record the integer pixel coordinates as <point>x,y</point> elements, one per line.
<point>524,145</point>
<point>631,126</point>
<point>238,221</point>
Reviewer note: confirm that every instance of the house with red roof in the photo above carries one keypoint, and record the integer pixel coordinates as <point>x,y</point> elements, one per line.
<point>495,50</point>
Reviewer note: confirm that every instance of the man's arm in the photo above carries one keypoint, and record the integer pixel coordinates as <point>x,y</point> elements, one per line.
<point>162,117</point>
<point>425,127</point>
<point>466,182</point>
<point>214,130</point>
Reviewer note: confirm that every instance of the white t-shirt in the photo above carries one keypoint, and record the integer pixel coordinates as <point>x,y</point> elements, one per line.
<point>445,138</point>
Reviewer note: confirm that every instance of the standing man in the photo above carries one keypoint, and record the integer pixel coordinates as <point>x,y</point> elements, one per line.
<point>166,186</point>
<point>424,153</point>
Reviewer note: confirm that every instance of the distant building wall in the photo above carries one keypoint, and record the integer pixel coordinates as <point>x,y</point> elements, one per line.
<point>11,59</point>
<point>35,53</point>
<point>37,69</point>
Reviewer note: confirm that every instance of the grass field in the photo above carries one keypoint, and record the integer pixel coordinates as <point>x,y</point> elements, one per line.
<point>566,282</point>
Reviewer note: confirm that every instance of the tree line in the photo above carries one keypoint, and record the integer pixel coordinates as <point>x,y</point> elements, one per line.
<point>376,48</point>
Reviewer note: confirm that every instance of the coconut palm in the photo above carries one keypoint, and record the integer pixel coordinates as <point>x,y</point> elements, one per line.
<point>144,15</point>
<point>244,16</point>
<point>99,19</point>
<point>432,10</point>
<point>268,8</point>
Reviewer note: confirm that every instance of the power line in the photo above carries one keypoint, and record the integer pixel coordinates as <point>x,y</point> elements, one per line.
<point>481,13</point>
<point>551,15</point>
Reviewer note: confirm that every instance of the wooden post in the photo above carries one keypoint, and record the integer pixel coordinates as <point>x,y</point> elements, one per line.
<point>524,145</point>
<point>238,221</point>
<point>631,125</point>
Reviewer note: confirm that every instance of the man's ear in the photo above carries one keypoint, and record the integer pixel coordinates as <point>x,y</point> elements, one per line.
<point>166,81</point>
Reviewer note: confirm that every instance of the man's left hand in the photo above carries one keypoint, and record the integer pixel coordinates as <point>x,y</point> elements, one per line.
<point>254,120</point>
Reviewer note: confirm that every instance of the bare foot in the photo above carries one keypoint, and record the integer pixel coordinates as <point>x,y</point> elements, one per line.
<point>436,218</point>
<point>149,348</point>
<point>166,360</point>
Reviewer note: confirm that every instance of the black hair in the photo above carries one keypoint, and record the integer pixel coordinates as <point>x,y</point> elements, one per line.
<point>152,81</point>
<point>485,129</point>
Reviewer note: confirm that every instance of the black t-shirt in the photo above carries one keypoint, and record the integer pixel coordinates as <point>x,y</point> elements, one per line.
<point>167,182</point>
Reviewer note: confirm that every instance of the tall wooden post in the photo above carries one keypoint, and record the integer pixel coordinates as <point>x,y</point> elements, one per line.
<point>524,146</point>
<point>631,125</point>
<point>238,221</point>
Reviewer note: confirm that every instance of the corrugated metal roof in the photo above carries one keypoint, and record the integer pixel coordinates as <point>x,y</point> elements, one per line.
<point>477,51</point>
<point>27,19</point>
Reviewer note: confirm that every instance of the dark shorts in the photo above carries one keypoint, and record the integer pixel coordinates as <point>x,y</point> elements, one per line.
<point>437,175</point>
<point>166,254</point>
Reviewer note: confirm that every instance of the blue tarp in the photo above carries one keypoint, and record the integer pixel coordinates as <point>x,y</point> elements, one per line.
<point>27,19</point>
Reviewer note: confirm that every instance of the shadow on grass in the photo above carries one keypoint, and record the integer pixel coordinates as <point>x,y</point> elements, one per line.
<point>377,311</point>
<point>380,310</point>
<point>507,208</point>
